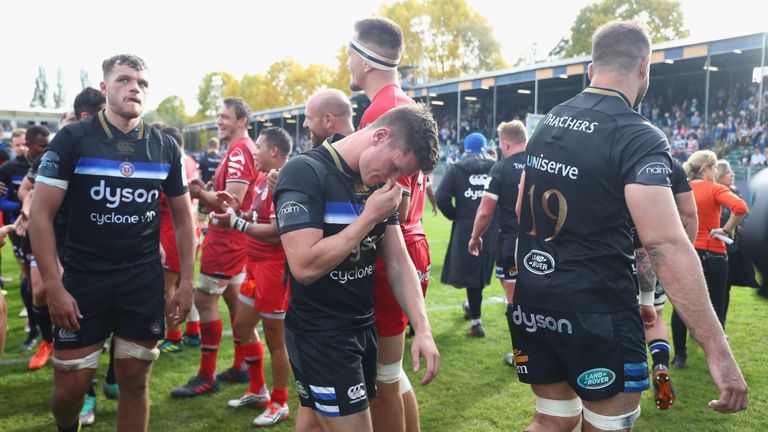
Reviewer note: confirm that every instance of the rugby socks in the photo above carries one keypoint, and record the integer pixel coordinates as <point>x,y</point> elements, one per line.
<point>253,354</point>
<point>659,349</point>
<point>210,338</point>
<point>43,319</point>
<point>475,299</point>
<point>74,428</point>
<point>26,297</point>
<point>110,376</point>
<point>279,396</point>
<point>193,328</point>
<point>239,363</point>
<point>173,335</point>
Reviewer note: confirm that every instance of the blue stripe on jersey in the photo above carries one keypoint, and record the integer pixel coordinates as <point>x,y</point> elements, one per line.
<point>17,179</point>
<point>636,369</point>
<point>327,410</point>
<point>341,212</point>
<point>123,169</point>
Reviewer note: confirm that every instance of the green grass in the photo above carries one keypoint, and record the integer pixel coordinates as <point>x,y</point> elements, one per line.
<point>475,390</point>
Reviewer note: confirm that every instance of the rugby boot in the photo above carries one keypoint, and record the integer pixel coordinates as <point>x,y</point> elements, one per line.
<point>250,399</point>
<point>194,387</point>
<point>274,414</point>
<point>233,376</point>
<point>40,359</point>
<point>662,387</point>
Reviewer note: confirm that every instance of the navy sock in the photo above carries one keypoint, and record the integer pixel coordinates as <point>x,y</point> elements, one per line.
<point>659,351</point>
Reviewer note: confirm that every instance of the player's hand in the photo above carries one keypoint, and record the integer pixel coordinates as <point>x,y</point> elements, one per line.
<point>226,200</point>
<point>224,220</point>
<point>720,232</point>
<point>424,346</point>
<point>649,315</point>
<point>272,179</point>
<point>196,187</point>
<point>4,232</point>
<point>475,246</point>
<point>3,188</point>
<point>62,307</point>
<point>181,303</point>
<point>384,201</point>
<point>734,393</point>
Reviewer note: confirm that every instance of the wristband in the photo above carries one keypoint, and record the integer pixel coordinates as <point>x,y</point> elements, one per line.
<point>646,298</point>
<point>239,224</point>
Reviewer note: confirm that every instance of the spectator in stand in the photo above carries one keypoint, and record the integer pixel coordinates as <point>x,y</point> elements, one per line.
<point>692,145</point>
<point>757,159</point>
<point>18,143</point>
<point>745,157</point>
<point>695,119</point>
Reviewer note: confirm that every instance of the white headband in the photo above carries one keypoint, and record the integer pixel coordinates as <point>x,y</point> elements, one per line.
<point>375,60</point>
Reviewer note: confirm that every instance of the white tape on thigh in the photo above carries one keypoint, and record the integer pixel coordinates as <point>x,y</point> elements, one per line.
<point>91,361</point>
<point>211,285</point>
<point>612,423</point>
<point>405,383</point>
<point>238,278</point>
<point>558,408</point>
<point>389,373</point>
<point>193,315</point>
<point>126,349</point>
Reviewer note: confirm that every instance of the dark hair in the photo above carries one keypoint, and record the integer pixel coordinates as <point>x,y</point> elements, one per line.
<point>240,106</point>
<point>90,101</point>
<point>36,131</point>
<point>278,137</point>
<point>620,45</point>
<point>414,126</point>
<point>383,33</point>
<point>175,134</point>
<point>129,60</point>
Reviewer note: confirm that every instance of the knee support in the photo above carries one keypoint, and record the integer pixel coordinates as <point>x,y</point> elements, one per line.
<point>405,383</point>
<point>91,361</point>
<point>238,279</point>
<point>611,423</point>
<point>389,373</point>
<point>126,349</point>
<point>559,408</point>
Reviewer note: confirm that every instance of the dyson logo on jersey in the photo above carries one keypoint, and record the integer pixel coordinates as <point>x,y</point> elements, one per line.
<point>473,194</point>
<point>344,276</point>
<point>117,196</point>
<point>535,321</point>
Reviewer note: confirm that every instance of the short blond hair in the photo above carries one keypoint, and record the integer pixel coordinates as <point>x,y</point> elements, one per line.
<point>513,131</point>
<point>697,162</point>
<point>20,132</point>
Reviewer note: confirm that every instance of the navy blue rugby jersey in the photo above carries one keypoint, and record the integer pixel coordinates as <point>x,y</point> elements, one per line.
<point>113,182</point>
<point>575,244</point>
<point>317,189</point>
<point>12,174</point>
<point>503,188</point>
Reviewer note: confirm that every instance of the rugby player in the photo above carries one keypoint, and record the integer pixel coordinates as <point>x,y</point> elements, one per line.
<point>264,293</point>
<point>222,265</point>
<point>593,166</point>
<point>328,113</point>
<point>372,57</point>
<point>326,207</point>
<point>171,268</point>
<point>501,192</point>
<point>652,297</point>
<point>111,169</point>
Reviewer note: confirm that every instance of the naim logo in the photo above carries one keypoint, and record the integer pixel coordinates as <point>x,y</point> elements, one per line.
<point>654,168</point>
<point>594,379</point>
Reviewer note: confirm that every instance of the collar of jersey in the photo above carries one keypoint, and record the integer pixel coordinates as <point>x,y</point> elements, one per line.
<point>337,160</point>
<point>607,92</point>
<point>108,130</point>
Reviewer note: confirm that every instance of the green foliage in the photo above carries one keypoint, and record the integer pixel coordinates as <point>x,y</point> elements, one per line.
<point>40,96</point>
<point>444,38</point>
<point>664,19</point>
<point>214,87</point>
<point>170,111</point>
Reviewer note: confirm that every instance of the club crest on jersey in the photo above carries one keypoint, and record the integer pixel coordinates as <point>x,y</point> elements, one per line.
<point>127,169</point>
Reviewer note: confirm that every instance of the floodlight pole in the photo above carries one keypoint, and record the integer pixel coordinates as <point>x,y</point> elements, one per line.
<point>762,78</point>
<point>298,122</point>
<point>536,95</point>
<point>458,116</point>
<point>495,120</point>
<point>706,93</point>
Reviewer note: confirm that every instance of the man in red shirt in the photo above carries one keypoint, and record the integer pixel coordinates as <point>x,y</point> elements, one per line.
<point>224,249</point>
<point>373,54</point>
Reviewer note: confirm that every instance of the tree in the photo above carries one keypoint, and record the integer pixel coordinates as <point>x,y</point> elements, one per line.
<point>214,87</point>
<point>664,18</point>
<point>40,97</point>
<point>170,111</point>
<point>59,96</point>
<point>444,38</point>
<point>84,80</point>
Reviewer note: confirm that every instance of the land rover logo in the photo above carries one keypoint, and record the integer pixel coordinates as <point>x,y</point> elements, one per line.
<point>301,390</point>
<point>594,379</point>
<point>539,262</point>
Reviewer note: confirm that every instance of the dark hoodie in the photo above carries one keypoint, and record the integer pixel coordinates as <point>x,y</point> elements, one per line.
<point>458,198</point>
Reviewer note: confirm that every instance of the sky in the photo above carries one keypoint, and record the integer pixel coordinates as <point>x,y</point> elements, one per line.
<point>183,40</point>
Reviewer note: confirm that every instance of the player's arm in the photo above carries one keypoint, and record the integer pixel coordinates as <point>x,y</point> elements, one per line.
<point>311,256</point>
<point>431,197</point>
<point>404,281</point>
<point>647,283</point>
<point>405,201</point>
<point>445,194</point>
<point>482,219</point>
<point>266,232</point>
<point>63,308</point>
<point>25,188</point>
<point>181,211</point>
<point>686,208</point>
<point>235,188</point>
<point>670,253</point>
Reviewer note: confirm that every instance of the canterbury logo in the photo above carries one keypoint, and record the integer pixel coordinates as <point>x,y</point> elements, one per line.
<point>125,147</point>
<point>356,391</point>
